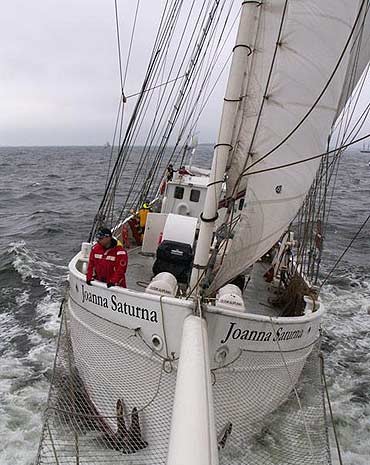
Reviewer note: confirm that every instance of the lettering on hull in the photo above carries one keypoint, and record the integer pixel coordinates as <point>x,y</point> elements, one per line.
<point>113,303</point>
<point>242,334</point>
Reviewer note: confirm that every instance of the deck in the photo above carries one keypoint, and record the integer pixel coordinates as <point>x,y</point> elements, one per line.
<point>256,294</point>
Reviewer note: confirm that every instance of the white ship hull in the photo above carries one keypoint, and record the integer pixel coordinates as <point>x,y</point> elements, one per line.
<point>126,345</point>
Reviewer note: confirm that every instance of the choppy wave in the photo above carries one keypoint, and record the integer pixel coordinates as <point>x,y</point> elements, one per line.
<point>346,344</point>
<point>38,213</point>
<point>23,395</point>
<point>27,350</point>
<point>48,208</point>
<point>30,264</point>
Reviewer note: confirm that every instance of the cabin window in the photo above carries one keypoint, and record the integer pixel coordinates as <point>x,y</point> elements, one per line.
<point>194,195</point>
<point>241,204</point>
<point>179,192</point>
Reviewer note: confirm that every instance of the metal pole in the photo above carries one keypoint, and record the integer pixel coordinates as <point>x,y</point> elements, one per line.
<point>233,96</point>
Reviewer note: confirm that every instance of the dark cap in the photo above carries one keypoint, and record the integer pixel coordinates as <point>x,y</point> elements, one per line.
<point>104,232</point>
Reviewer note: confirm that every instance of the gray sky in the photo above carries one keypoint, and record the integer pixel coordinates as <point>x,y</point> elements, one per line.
<point>59,69</point>
<point>59,76</point>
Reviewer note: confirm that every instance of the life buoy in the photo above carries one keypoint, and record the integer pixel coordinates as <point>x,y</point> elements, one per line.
<point>182,209</point>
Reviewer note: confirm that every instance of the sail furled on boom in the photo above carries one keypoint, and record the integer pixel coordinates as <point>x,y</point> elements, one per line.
<point>300,51</point>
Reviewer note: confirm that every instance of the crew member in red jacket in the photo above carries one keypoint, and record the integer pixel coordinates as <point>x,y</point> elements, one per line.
<point>107,261</point>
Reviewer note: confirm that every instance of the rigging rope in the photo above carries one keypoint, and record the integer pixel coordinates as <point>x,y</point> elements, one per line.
<point>161,143</point>
<point>294,388</point>
<point>200,99</point>
<point>190,74</point>
<point>188,102</point>
<point>112,177</point>
<point>162,49</point>
<point>277,45</point>
<point>118,46</point>
<point>166,23</point>
<point>113,141</point>
<point>131,41</point>
<point>305,160</point>
<point>156,124</point>
<point>196,80</point>
<point>157,87</point>
<point>330,409</point>
<point>151,136</point>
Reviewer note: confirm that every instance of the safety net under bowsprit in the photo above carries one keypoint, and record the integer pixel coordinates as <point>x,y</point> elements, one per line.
<point>125,418</point>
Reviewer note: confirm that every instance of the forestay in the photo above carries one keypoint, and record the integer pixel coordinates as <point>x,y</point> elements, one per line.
<point>296,48</point>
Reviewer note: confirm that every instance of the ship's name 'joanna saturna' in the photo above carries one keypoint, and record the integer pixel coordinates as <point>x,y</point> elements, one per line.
<point>121,307</point>
<point>280,334</point>
<point>233,332</point>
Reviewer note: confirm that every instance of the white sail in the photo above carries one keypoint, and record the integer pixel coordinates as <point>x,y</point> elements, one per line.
<point>360,56</point>
<point>313,36</point>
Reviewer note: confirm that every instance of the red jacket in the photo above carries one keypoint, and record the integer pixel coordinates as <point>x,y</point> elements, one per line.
<point>108,265</point>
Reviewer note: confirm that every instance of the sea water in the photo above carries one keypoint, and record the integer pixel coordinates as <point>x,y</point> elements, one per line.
<point>48,199</point>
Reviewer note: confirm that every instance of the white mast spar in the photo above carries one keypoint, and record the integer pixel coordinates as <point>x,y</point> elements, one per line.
<point>233,96</point>
<point>287,116</point>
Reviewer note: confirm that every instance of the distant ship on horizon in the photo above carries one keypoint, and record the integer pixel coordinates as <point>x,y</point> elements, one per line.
<point>365,148</point>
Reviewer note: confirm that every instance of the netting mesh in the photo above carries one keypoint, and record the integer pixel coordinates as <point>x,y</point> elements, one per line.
<point>295,433</point>
<point>112,403</point>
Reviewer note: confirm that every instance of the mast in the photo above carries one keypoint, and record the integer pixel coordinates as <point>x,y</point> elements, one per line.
<point>233,96</point>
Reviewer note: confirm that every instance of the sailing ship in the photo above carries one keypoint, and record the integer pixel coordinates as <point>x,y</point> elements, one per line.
<point>221,312</point>
<point>365,148</point>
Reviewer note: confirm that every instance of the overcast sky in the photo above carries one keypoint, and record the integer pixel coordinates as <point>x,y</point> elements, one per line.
<point>59,75</point>
<point>59,69</point>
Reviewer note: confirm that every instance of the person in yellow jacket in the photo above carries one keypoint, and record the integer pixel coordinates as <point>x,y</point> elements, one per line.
<point>143,214</point>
